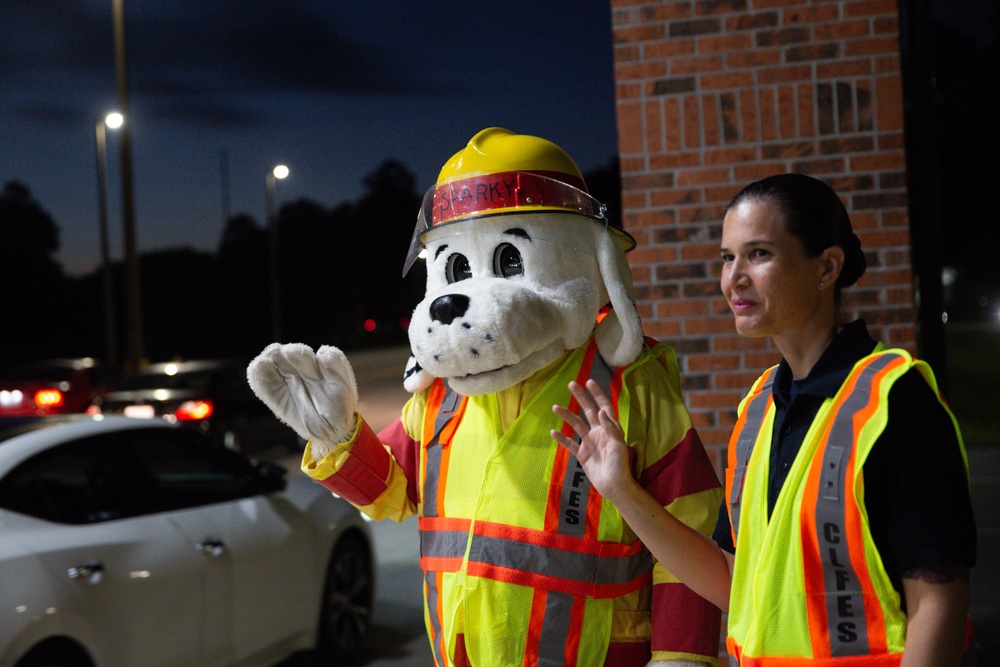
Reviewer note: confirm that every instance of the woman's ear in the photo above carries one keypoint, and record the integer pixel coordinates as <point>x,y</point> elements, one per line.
<point>831,263</point>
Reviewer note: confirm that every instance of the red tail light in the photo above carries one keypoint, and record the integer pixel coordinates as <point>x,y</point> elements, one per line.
<point>194,410</point>
<point>93,409</point>
<point>48,398</point>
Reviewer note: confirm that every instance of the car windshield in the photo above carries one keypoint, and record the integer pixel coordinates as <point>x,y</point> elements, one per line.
<point>198,380</point>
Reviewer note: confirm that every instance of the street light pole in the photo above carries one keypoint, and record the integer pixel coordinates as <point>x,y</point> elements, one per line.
<point>133,300</point>
<point>270,187</point>
<point>113,120</point>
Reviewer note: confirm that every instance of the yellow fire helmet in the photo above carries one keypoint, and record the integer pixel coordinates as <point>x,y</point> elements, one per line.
<point>502,173</point>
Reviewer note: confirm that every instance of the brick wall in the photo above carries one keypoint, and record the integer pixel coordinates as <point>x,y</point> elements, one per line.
<point>712,95</point>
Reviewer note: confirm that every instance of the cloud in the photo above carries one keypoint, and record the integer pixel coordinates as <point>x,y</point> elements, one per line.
<point>193,62</point>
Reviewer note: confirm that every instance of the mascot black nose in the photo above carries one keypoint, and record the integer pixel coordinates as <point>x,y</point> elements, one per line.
<point>445,309</point>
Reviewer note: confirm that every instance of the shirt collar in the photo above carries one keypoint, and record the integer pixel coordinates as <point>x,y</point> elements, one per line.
<point>851,344</point>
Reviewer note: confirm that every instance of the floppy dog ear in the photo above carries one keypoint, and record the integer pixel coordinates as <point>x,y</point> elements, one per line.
<point>619,335</point>
<point>415,378</point>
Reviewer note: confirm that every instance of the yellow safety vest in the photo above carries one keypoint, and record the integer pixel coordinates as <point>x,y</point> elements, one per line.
<point>525,559</point>
<point>809,586</point>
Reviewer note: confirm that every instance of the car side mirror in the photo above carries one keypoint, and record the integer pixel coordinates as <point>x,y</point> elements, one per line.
<point>271,477</point>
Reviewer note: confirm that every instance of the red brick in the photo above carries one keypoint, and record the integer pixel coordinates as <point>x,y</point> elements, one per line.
<point>811,14</point>
<point>774,75</point>
<point>710,7</point>
<point>717,399</point>
<point>841,30</point>
<point>710,120</point>
<point>640,33</point>
<point>786,113</point>
<point>805,112</point>
<point>842,69</point>
<point>871,46</point>
<point>676,196</point>
<point>644,69</point>
<point>768,114</point>
<point>692,121</point>
<point>675,160</point>
<point>881,161</point>
<point>730,156</point>
<point>889,103</point>
<point>628,91</point>
<point>672,48</point>
<point>713,362</point>
<point>748,116</point>
<point>887,64</point>
<point>753,59</point>
<point>772,4</point>
<point>725,42</point>
<point>887,24</point>
<point>630,136</point>
<point>752,21</point>
<point>746,173</point>
<point>682,66</point>
<point>726,80</point>
<point>665,11</point>
<point>870,8</point>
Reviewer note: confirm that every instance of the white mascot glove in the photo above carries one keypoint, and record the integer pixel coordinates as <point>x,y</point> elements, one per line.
<point>314,393</point>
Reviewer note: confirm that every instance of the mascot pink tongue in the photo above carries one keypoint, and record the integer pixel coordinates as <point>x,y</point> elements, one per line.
<point>524,563</point>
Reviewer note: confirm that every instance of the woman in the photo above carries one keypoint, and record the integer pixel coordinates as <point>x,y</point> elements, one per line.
<point>847,488</point>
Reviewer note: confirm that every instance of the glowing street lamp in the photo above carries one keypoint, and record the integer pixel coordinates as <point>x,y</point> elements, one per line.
<point>113,121</point>
<point>271,184</point>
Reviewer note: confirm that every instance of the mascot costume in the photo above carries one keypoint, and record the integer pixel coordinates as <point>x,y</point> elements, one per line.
<point>524,563</point>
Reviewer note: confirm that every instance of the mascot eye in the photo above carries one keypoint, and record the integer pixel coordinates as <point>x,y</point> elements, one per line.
<point>458,268</point>
<point>507,261</point>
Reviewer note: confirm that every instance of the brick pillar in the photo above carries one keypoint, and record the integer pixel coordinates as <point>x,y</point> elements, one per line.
<point>714,94</point>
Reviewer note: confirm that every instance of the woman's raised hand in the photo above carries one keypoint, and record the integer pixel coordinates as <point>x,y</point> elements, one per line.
<point>601,450</point>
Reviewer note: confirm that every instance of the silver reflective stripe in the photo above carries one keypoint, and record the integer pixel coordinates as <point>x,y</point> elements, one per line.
<point>552,562</point>
<point>845,605</point>
<point>443,543</point>
<point>430,579</point>
<point>432,471</point>
<point>747,438</point>
<point>555,629</point>
<point>733,662</point>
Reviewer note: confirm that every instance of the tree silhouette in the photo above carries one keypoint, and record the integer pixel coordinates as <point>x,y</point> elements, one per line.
<point>34,300</point>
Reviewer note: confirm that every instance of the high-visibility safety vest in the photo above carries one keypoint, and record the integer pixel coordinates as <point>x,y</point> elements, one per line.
<point>524,563</point>
<point>809,587</point>
<point>557,542</point>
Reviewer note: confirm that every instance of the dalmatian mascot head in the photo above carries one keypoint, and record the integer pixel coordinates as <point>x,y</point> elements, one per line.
<point>520,262</point>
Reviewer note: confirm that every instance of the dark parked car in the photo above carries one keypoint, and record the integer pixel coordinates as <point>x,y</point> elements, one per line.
<point>53,387</point>
<point>209,395</point>
<point>131,543</point>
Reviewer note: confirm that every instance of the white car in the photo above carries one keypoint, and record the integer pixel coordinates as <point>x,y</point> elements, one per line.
<point>132,543</point>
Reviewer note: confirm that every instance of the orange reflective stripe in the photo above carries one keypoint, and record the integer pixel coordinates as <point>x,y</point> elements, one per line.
<point>884,660</point>
<point>535,622</point>
<point>444,411</point>
<point>741,444</point>
<point>432,594</point>
<point>837,580</point>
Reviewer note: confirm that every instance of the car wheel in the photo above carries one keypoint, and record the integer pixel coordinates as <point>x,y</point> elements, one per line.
<point>347,599</point>
<point>55,655</point>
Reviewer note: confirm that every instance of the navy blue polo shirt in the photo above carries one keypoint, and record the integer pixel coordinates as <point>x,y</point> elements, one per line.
<point>916,490</point>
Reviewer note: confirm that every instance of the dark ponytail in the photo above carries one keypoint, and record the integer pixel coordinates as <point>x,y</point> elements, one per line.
<point>814,214</point>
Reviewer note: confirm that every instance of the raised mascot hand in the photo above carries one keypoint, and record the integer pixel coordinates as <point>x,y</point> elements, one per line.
<point>315,393</point>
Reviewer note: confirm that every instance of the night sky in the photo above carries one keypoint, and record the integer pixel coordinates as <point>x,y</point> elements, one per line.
<point>332,89</point>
